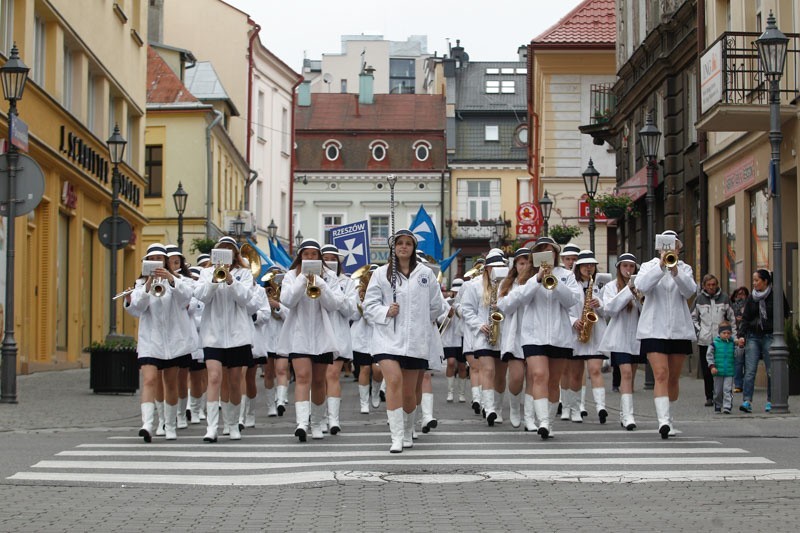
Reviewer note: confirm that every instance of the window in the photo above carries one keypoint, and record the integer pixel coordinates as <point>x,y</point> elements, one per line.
<point>521,135</point>
<point>328,222</point>
<point>260,116</point>
<point>378,149</point>
<point>90,103</point>
<point>507,87</point>
<point>422,150</point>
<point>522,71</point>
<point>492,86</point>
<point>112,114</point>
<point>343,86</point>
<point>67,92</point>
<point>87,285</point>
<point>507,71</point>
<point>332,149</point>
<point>62,283</point>
<point>492,71</point>
<point>478,199</point>
<point>378,230</point>
<point>728,280</point>
<point>153,170</point>
<point>402,76</point>
<point>759,231</point>
<point>492,133</point>
<point>6,25</point>
<point>691,105</point>
<point>129,136</point>
<point>285,130</point>
<point>37,74</point>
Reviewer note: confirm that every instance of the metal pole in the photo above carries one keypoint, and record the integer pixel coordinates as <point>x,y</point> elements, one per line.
<point>591,226</point>
<point>112,315</point>
<point>648,249</point>
<point>8,369</point>
<point>546,228</point>
<point>180,232</point>
<point>778,351</point>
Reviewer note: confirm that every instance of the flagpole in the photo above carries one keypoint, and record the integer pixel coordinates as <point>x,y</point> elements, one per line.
<point>393,257</point>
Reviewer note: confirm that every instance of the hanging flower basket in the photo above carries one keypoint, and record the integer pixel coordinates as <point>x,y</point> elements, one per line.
<point>562,233</point>
<point>614,205</point>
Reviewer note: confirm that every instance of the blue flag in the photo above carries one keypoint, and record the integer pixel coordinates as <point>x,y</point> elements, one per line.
<point>352,240</point>
<point>445,263</point>
<point>276,255</point>
<point>427,236</point>
<point>284,254</point>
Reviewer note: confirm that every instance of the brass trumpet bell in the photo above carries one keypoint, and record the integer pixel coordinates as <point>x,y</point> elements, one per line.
<point>220,273</point>
<point>549,282</point>
<point>312,291</point>
<point>670,259</point>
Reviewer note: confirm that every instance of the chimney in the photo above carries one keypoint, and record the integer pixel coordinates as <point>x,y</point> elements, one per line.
<point>304,94</point>
<point>366,86</point>
<point>155,21</point>
<point>457,52</point>
<point>522,51</point>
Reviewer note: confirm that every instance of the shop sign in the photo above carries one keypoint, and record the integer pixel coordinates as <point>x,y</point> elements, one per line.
<point>739,176</point>
<point>583,212</point>
<point>528,229</point>
<point>68,196</point>
<point>711,77</point>
<point>20,132</point>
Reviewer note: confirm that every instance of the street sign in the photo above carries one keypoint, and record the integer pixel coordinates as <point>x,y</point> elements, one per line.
<point>124,232</point>
<point>28,182</point>
<point>528,229</point>
<point>20,139</point>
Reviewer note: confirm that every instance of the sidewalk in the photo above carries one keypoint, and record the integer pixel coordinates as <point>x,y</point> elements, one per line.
<point>62,400</point>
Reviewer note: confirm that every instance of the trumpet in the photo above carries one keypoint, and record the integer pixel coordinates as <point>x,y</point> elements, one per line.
<point>312,269</point>
<point>670,258</point>
<point>312,291</point>
<point>158,287</point>
<point>549,281</point>
<point>220,273</point>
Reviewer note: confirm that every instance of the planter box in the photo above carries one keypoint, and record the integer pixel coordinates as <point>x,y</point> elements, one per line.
<point>562,240</point>
<point>114,371</point>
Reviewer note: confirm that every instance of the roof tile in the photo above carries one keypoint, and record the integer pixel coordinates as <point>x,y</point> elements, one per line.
<point>163,86</point>
<point>390,112</point>
<point>592,22</point>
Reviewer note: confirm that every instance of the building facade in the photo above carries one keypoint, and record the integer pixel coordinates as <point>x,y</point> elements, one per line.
<point>85,78</point>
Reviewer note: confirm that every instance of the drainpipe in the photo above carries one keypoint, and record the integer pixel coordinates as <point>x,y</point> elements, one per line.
<point>247,184</point>
<point>702,142</point>
<point>210,171</point>
<point>533,134</point>
<point>250,69</point>
<point>293,164</point>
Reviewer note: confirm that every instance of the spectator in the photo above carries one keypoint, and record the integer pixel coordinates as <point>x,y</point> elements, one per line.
<point>711,307</point>
<point>738,299</point>
<point>720,360</point>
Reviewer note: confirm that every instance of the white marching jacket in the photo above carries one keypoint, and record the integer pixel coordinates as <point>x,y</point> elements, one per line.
<point>226,322</point>
<point>476,314</point>
<point>467,334</point>
<point>196,315</point>
<point>259,307</point>
<point>620,335</point>
<point>165,329</point>
<point>436,352</point>
<point>340,319</point>
<point>592,347</point>
<point>665,314</point>
<point>361,335</point>
<point>308,328</point>
<point>545,318</point>
<point>511,328</point>
<point>420,301</point>
<point>451,338</point>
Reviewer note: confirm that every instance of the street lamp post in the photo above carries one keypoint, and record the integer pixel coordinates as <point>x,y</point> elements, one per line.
<point>14,75</point>
<point>590,178</point>
<point>116,149</point>
<point>272,229</point>
<point>772,46</point>
<point>238,227</point>
<point>298,239</point>
<point>546,206</point>
<point>179,197</point>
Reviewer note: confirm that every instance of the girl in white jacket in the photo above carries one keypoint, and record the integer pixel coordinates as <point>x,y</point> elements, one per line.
<point>226,332</point>
<point>308,336</point>
<point>453,344</point>
<point>665,328</point>
<point>622,305</point>
<point>276,369</point>
<point>402,313</point>
<point>340,320</point>
<point>361,337</point>
<point>163,341</point>
<point>198,378</point>
<point>546,331</point>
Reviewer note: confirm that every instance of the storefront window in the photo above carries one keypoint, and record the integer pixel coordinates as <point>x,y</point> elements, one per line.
<point>728,239</point>
<point>62,282</point>
<point>759,231</point>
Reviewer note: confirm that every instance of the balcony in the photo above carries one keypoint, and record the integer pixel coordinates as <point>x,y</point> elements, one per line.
<point>734,94</point>
<point>468,230</point>
<point>603,103</point>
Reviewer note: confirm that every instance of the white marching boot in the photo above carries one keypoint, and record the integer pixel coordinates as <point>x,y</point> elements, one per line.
<point>514,409</point>
<point>552,409</point>
<point>272,409</point>
<point>212,421</point>
<point>662,413</point>
<point>148,421</point>
<point>583,401</point>
<point>408,429</point>
<point>301,416</point>
<point>599,395</point>
<point>160,430</point>
<point>183,423</point>
<point>226,425</point>
<point>317,416</point>
<point>363,398</point>
<point>233,411</point>
<point>194,407</point>
<point>333,414</point>
<point>542,410</point>
<point>488,406</point>
<point>529,414</point>
<point>250,413</point>
<point>672,431</point>
<point>428,421</point>
<point>498,407</point>
<point>476,400</point>
<point>376,394</point>
<point>413,416</point>
<point>281,399</point>
<point>626,412</point>
<point>451,382</point>
<point>170,421</point>
<point>573,401</point>
<point>396,428</point>
<point>566,403</point>
<point>203,406</point>
<point>462,385</point>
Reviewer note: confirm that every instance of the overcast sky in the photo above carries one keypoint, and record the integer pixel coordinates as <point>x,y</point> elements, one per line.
<point>489,31</point>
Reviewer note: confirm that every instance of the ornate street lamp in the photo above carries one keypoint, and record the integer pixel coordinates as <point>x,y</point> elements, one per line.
<point>116,150</point>
<point>179,197</point>
<point>590,178</point>
<point>546,206</point>
<point>772,53</point>
<point>272,229</point>
<point>14,75</point>
<point>298,239</point>
<point>238,227</point>
<point>650,137</point>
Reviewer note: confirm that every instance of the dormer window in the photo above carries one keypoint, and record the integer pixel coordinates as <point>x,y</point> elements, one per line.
<point>422,150</point>
<point>332,149</point>
<point>378,149</point>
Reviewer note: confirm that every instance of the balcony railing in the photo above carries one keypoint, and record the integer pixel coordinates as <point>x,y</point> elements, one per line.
<point>603,102</point>
<point>743,82</point>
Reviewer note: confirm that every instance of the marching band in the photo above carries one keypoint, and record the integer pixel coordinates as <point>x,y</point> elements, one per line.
<point>529,325</point>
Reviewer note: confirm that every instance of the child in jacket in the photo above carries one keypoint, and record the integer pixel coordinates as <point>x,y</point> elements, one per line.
<point>721,362</point>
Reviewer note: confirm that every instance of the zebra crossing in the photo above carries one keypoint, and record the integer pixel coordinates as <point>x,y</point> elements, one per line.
<point>461,453</point>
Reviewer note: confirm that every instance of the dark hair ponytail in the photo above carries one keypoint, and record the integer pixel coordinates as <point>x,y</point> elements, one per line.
<point>764,274</point>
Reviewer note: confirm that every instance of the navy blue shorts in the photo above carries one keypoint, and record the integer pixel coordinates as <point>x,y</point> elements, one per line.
<point>362,359</point>
<point>162,364</point>
<point>508,356</point>
<point>548,350</point>
<point>667,346</point>
<point>455,352</point>
<point>230,357</point>
<point>405,362</point>
<point>619,358</point>
<point>273,355</point>
<point>197,365</point>
<point>495,354</point>
<point>320,359</point>
<point>587,357</point>
<point>259,361</point>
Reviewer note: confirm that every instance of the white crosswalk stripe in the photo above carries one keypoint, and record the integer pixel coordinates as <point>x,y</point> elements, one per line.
<point>265,458</point>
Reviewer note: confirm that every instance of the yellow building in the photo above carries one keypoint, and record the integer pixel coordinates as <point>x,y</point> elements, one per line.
<point>87,60</point>
<point>568,63</point>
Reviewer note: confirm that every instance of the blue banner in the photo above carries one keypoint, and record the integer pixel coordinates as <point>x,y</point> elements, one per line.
<point>445,263</point>
<point>427,237</point>
<point>352,240</point>
<point>277,257</point>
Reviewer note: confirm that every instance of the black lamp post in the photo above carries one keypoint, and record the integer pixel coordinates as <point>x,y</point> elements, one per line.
<point>590,178</point>
<point>238,227</point>
<point>272,229</point>
<point>298,239</point>
<point>649,137</point>
<point>179,197</point>
<point>546,205</point>
<point>116,149</point>
<point>14,75</point>
<point>772,54</point>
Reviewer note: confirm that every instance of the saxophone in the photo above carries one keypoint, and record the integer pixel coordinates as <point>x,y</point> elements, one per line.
<point>589,317</point>
<point>495,316</point>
